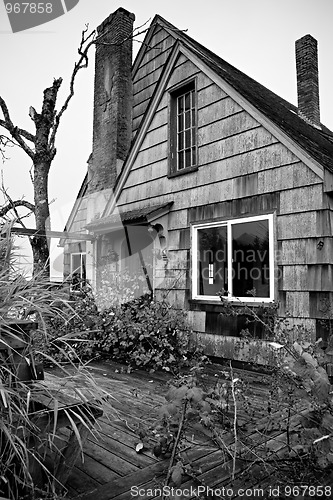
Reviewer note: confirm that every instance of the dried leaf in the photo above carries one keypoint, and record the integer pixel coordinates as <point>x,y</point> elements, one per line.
<point>321,384</point>
<point>305,345</point>
<point>310,360</point>
<point>139,447</point>
<point>275,345</point>
<point>297,348</point>
<point>176,475</point>
<point>195,394</point>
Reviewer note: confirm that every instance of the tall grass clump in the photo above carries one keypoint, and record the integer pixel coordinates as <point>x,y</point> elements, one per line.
<point>30,451</point>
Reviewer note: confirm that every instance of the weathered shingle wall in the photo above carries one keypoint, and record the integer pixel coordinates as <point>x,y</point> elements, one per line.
<point>243,170</point>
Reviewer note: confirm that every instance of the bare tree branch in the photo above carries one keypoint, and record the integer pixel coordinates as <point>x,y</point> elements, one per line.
<point>15,132</point>
<point>43,150</point>
<point>19,217</point>
<point>87,40</point>
<point>11,205</point>
<point>21,131</point>
<point>82,63</point>
<point>135,33</point>
<point>5,142</point>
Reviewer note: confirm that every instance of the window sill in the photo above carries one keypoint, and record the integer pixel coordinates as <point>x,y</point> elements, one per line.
<point>182,172</point>
<point>213,305</point>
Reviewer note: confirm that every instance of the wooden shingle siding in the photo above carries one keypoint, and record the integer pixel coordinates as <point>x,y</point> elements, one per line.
<point>301,225</point>
<point>298,304</point>
<point>251,156</point>
<point>160,189</point>
<point>235,145</point>
<point>176,298</point>
<point>301,199</point>
<point>286,177</point>
<point>320,304</point>
<point>177,279</point>
<point>154,154</point>
<point>306,251</point>
<point>197,320</point>
<point>155,136</point>
<point>235,208</point>
<point>213,114</point>
<point>295,277</point>
<point>243,170</point>
<point>147,75</point>
<point>183,71</point>
<point>160,118</point>
<point>308,277</point>
<point>159,44</point>
<point>78,225</point>
<point>320,277</point>
<point>178,259</point>
<point>228,168</point>
<point>178,219</point>
<point>209,94</point>
<point>225,127</point>
<point>325,222</point>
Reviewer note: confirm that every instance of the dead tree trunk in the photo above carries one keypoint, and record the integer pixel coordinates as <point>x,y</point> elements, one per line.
<point>42,151</point>
<point>43,156</point>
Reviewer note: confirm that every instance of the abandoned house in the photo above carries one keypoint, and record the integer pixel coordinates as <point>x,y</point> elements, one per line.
<point>202,182</point>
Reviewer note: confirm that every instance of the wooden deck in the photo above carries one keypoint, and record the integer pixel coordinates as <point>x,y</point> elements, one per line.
<point>112,466</point>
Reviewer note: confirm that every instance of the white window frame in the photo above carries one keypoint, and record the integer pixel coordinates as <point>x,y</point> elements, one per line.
<point>229,224</point>
<point>81,254</point>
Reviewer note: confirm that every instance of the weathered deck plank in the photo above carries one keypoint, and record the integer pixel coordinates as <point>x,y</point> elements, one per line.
<point>112,465</point>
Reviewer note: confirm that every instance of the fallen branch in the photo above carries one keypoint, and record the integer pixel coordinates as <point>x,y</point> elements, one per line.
<point>175,445</point>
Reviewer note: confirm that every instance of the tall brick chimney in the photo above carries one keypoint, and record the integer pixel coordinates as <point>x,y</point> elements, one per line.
<point>307,79</point>
<point>113,95</point>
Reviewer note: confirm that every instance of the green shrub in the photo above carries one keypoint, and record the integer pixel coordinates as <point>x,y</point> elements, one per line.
<point>145,333</point>
<point>140,333</point>
<point>73,338</point>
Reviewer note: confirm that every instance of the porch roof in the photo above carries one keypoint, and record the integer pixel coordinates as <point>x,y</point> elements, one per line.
<point>143,215</point>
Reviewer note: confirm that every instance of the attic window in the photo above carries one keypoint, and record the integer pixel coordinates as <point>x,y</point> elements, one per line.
<point>183,129</point>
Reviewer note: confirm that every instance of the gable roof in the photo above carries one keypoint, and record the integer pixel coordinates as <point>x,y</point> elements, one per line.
<point>317,143</point>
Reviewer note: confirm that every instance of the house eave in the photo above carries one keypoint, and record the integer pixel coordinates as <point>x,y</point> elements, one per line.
<point>117,221</point>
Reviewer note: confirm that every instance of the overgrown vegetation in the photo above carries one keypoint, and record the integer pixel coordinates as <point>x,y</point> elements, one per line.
<point>290,437</point>
<point>140,333</point>
<point>30,438</point>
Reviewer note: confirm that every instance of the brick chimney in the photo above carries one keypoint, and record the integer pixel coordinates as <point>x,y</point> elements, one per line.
<point>307,79</point>
<point>113,95</point>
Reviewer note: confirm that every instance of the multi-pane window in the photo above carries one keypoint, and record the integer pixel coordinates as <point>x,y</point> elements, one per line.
<point>183,129</point>
<point>235,257</point>
<point>186,130</point>
<point>78,269</point>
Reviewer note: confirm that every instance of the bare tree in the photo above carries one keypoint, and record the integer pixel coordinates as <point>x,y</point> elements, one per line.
<point>40,147</point>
